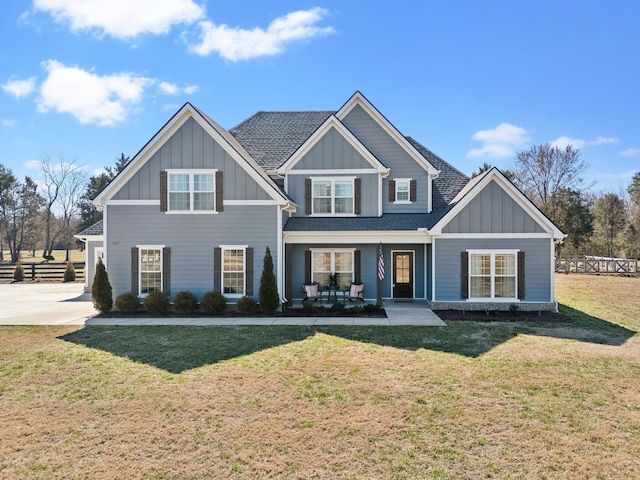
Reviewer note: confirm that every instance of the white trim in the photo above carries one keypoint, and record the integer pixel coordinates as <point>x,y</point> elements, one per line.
<point>413,270</point>
<point>493,252</point>
<point>89,238</point>
<point>280,281</point>
<point>321,131</point>
<point>552,283</point>
<point>380,195</point>
<point>478,185</point>
<point>133,202</point>
<point>330,171</point>
<point>402,202</point>
<point>359,99</point>
<point>494,235</point>
<point>433,270</point>
<point>262,203</point>
<point>360,237</point>
<point>149,247</point>
<point>430,194</point>
<point>244,273</point>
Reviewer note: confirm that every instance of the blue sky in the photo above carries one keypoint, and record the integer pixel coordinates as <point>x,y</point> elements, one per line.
<point>473,81</point>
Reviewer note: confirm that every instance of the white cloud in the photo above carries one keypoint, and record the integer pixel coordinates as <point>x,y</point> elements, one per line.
<point>20,88</point>
<point>563,142</point>
<point>499,142</point>
<point>8,122</point>
<point>123,19</point>
<point>167,88</point>
<point>234,43</point>
<point>631,152</point>
<point>91,98</point>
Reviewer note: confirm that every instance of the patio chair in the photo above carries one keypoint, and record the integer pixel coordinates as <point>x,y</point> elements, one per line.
<point>311,292</point>
<point>356,292</point>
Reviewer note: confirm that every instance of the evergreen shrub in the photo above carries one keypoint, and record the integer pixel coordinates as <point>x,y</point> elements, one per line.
<point>157,303</point>
<point>69,273</point>
<point>185,302</point>
<point>18,272</point>
<point>268,297</point>
<point>127,302</point>
<point>214,303</point>
<point>101,291</point>
<point>247,305</point>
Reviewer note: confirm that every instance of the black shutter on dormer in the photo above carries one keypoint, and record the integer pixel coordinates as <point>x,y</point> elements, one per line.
<point>307,196</point>
<point>219,192</point>
<point>413,190</point>
<point>357,191</point>
<point>163,191</point>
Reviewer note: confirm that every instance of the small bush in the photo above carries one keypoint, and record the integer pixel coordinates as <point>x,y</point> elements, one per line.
<point>127,302</point>
<point>156,303</point>
<point>69,273</point>
<point>185,302</point>
<point>214,303</point>
<point>18,272</point>
<point>337,307</point>
<point>101,291</point>
<point>247,305</point>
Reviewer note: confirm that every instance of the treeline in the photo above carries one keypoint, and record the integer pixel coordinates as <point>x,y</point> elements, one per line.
<point>604,224</point>
<point>44,213</point>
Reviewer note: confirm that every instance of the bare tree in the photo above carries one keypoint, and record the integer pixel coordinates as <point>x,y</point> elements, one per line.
<point>543,170</point>
<point>61,186</point>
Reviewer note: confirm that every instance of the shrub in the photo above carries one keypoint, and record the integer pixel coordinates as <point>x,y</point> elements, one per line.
<point>101,292</point>
<point>69,273</point>
<point>127,302</point>
<point>337,307</point>
<point>18,272</point>
<point>214,303</point>
<point>268,296</point>
<point>247,305</point>
<point>156,303</point>
<point>185,302</point>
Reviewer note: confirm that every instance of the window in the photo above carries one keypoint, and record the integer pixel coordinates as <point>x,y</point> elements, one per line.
<point>492,274</point>
<point>402,191</point>
<point>326,262</point>
<point>333,196</point>
<point>233,270</point>
<point>150,269</point>
<point>191,191</point>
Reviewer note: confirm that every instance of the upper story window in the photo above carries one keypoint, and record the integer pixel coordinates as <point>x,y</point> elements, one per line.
<point>191,191</point>
<point>333,196</point>
<point>402,190</point>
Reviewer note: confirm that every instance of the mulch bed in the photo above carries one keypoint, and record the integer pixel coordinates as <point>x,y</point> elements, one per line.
<point>290,312</point>
<point>499,316</point>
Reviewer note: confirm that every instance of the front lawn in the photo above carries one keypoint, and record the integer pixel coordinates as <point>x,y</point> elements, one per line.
<point>499,399</point>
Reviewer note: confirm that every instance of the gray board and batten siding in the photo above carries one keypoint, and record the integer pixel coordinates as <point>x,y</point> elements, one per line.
<point>191,148</point>
<point>191,238</point>
<point>537,251</point>
<point>388,152</point>
<point>493,210</point>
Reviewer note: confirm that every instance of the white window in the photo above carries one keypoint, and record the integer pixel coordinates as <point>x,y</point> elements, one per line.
<point>233,270</point>
<point>325,263</point>
<point>191,191</point>
<point>493,274</point>
<point>403,186</point>
<point>332,196</point>
<point>150,269</point>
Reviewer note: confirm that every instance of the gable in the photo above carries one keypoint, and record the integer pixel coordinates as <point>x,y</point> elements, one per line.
<point>334,152</point>
<point>493,210</point>
<point>190,147</point>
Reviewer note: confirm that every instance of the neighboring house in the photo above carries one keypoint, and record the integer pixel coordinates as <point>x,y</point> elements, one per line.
<point>197,206</point>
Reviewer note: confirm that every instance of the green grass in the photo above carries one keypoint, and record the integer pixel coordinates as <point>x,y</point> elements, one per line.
<point>534,399</point>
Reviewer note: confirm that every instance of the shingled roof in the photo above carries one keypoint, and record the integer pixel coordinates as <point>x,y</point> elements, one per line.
<point>272,137</point>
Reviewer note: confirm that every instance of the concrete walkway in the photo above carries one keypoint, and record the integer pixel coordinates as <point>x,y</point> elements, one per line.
<point>67,304</point>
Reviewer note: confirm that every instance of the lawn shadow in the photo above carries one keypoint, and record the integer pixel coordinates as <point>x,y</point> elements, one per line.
<point>180,348</point>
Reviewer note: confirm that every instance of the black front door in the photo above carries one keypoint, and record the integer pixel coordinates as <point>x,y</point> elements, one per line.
<point>402,274</point>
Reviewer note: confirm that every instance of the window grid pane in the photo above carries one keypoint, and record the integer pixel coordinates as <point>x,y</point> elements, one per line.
<point>332,196</point>
<point>233,271</point>
<point>402,191</point>
<point>326,262</point>
<point>150,271</point>
<point>492,276</point>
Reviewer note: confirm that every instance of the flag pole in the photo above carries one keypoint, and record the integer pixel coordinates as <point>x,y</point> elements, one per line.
<point>379,276</point>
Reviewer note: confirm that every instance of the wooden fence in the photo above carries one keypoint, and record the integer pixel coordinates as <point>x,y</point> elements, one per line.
<point>597,265</point>
<point>50,272</point>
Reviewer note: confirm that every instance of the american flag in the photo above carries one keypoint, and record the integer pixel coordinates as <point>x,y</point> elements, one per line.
<point>380,262</point>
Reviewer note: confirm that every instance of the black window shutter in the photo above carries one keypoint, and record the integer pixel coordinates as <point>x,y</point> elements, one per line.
<point>392,190</point>
<point>413,190</point>
<point>521,276</point>
<point>288,266</point>
<point>249,272</point>
<point>217,269</point>
<point>219,192</point>
<point>166,270</point>
<point>307,196</point>
<point>357,187</point>
<point>307,267</point>
<point>357,261</point>
<point>134,270</point>
<point>163,191</point>
<point>464,275</point>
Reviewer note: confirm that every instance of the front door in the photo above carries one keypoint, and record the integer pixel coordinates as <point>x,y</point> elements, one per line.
<point>402,274</point>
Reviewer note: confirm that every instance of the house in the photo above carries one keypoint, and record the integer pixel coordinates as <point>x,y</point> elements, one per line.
<point>197,206</point>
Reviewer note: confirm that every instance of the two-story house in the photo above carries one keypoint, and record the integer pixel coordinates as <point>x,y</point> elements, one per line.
<point>196,208</point>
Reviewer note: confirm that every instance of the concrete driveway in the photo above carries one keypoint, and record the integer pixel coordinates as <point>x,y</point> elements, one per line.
<point>44,304</point>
